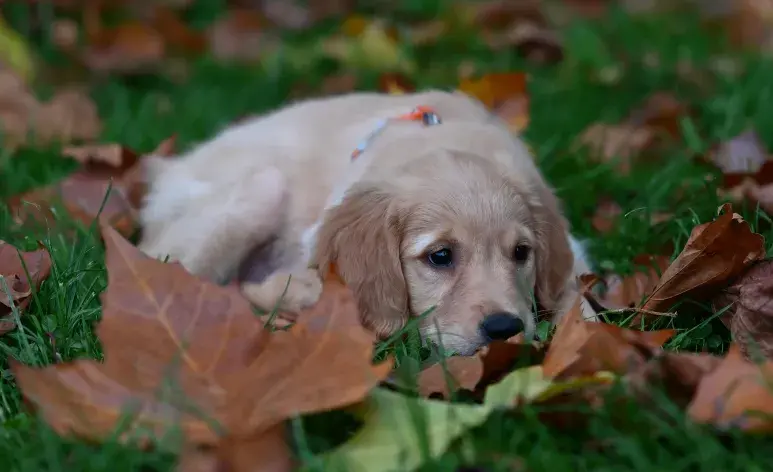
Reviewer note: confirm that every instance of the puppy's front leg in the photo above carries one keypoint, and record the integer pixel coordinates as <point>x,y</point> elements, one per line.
<point>290,291</point>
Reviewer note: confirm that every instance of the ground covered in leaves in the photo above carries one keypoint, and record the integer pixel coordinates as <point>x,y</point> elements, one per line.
<point>647,121</point>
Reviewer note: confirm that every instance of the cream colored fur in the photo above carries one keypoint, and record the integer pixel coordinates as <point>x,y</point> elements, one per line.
<point>285,182</point>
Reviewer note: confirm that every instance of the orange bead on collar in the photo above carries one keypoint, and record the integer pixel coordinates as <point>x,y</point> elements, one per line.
<point>425,115</point>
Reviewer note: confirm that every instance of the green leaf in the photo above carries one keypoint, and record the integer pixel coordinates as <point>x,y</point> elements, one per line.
<point>400,433</point>
<point>15,54</point>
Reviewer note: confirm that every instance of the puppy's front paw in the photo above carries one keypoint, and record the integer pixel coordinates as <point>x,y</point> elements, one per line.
<point>302,291</point>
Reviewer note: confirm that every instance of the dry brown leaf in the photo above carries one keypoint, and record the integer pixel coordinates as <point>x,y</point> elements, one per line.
<point>176,33</point>
<point>338,84</point>
<point>658,115</point>
<point>749,310</point>
<point>623,142</point>
<point>740,156</point>
<point>679,374</point>
<point>581,347</point>
<point>395,84</point>
<point>113,155</point>
<point>108,167</point>
<point>751,192</point>
<point>458,372</point>
<point>476,373</point>
<point>631,290</point>
<point>69,115</point>
<point>533,41</point>
<point>299,15</point>
<point>238,36</point>
<point>182,351</point>
<point>736,394</point>
<point>606,215</point>
<point>715,253</point>
<point>238,454</point>
<point>661,111</point>
<point>14,267</point>
<point>748,23</point>
<point>127,48</point>
<point>503,93</point>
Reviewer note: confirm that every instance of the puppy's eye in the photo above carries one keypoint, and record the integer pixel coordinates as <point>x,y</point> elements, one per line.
<point>521,253</point>
<point>441,258</point>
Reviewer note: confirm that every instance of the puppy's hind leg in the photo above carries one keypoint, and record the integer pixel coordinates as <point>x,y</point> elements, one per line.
<point>252,213</point>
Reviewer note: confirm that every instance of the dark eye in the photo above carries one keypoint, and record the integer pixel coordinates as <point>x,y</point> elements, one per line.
<point>521,253</point>
<point>441,258</point>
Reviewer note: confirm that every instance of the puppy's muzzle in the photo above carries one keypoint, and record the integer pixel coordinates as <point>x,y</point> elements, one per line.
<point>501,326</point>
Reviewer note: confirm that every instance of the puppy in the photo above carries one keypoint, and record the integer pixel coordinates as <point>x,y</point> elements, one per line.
<point>442,214</point>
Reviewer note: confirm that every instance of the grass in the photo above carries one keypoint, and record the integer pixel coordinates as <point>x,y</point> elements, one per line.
<point>565,99</point>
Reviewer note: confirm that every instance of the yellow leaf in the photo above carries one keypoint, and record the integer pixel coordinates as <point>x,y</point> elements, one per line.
<point>395,429</point>
<point>15,54</point>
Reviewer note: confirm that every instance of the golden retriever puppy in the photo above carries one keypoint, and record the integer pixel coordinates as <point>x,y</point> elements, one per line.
<point>442,214</point>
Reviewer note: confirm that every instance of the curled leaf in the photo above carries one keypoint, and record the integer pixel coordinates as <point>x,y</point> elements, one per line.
<point>14,270</point>
<point>715,253</point>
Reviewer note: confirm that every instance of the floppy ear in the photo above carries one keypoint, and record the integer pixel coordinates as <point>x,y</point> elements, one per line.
<point>555,259</point>
<point>362,237</point>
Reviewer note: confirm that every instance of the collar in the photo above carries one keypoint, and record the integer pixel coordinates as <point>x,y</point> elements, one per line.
<point>424,114</point>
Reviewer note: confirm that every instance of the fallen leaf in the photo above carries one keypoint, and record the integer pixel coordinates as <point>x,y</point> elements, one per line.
<point>677,373</point>
<point>631,290</point>
<point>69,115</point>
<point>736,394</point>
<point>476,373</point>
<point>109,186</point>
<point>751,192</point>
<point>239,454</point>
<point>175,32</point>
<point>395,84</point>
<point>582,348</point>
<point>180,351</point>
<point>740,156</point>
<point>715,253</point>
<point>238,36</point>
<point>374,48</point>
<point>503,93</point>
<point>338,84</point>
<point>300,15</point>
<point>427,32</point>
<point>660,111</point>
<point>748,310</point>
<point>14,267</point>
<point>748,23</point>
<point>15,53</point>
<point>395,428</point>
<point>659,115</point>
<point>605,218</point>
<point>126,48</point>
<point>533,41</point>
<point>113,155</point>
<point>458,372</point>
<point>622,142</point>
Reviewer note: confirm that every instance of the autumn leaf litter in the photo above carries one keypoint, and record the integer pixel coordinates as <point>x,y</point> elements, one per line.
<point>182,353</point>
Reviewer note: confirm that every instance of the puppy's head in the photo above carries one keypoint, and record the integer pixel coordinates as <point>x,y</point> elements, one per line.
<point>454,238</point>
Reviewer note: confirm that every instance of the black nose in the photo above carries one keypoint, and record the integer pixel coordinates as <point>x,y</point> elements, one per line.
<point>501,325</point>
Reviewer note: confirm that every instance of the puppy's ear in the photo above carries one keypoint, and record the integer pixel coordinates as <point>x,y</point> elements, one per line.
<point>362,237</point>
<point>555,259</point>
